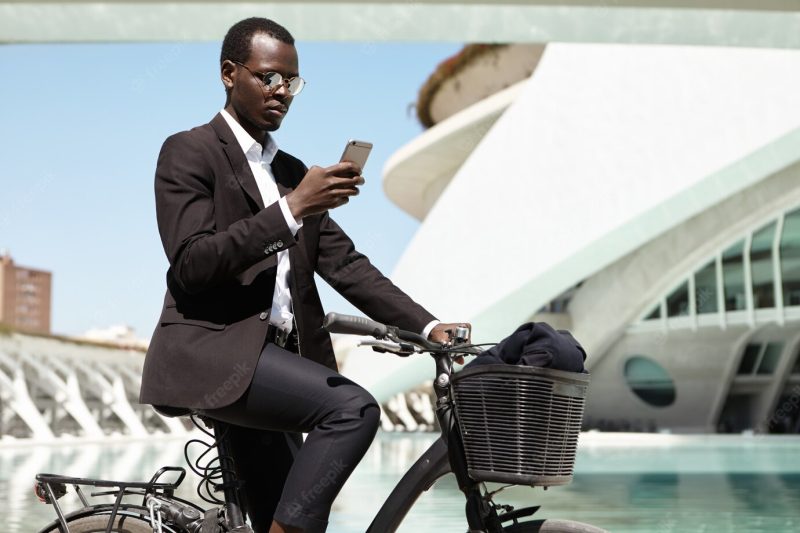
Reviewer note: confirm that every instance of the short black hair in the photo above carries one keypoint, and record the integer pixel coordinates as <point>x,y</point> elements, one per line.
<point>237,44</point>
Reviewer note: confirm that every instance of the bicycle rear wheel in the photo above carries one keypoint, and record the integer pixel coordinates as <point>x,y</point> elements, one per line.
<point>123,523</point>
<point>553,526</point>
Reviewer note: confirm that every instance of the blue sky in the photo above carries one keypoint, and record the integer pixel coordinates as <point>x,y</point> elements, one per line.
<point>82,126</point>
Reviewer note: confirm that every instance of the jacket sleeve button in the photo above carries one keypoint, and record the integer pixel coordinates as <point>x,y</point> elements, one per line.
<point>280,243</point>
<point>263,315</point>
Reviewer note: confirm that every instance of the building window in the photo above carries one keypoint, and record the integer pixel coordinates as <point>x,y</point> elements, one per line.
<point>733,277</point>
<point>762,267</point>
<point>761,359</point>
<point>705,288</point>
<point>655,313</point>
<point>772,258</point>
<point>28,288</point>
<point>649,381</point>
<point>27,322</point>
<point>769,361</point>
<point>748,363</point>
<point>678,301</point>
<point>790,258</point>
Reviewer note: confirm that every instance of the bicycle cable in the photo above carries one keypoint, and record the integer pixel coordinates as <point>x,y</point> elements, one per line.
<point>211,472</point>
<point>461,347</point>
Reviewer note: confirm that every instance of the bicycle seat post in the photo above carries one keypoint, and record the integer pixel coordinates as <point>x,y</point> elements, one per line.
<point>230,482</point>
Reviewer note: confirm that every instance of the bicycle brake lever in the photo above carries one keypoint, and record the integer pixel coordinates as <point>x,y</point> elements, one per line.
<point>399,348</point>
<point>389,346</point>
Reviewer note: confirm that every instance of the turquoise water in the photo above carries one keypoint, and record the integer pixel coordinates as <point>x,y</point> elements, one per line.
<point>625,483</point>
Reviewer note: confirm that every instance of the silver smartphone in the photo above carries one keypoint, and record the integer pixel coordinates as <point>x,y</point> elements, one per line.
<point>356,152</point>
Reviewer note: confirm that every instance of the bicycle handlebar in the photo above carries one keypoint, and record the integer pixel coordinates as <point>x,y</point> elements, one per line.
<point>354,325</point>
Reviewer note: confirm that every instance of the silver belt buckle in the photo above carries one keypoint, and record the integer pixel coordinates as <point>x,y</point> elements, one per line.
<point>281,336</point>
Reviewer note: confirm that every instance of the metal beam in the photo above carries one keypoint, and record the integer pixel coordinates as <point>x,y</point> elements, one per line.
<point>14,392</point>
<point>110,388</point>
<point>769,23</point>
<point>66,390</point>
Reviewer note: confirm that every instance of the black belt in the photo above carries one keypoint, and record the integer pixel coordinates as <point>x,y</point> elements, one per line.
<point>280,336</point>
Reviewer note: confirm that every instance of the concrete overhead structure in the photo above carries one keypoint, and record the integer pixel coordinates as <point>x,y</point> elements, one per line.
<point>751,23</point>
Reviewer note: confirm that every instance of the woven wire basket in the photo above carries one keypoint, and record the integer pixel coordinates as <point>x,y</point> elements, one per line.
<point>519,424</point>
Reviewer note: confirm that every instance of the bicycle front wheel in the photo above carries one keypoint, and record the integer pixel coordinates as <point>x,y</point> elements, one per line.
<point>553,526</point>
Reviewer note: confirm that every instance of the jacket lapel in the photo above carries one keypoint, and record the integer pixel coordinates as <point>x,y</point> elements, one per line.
<point>284,181</point>
<point>282,174</point>
<point>244,176</point>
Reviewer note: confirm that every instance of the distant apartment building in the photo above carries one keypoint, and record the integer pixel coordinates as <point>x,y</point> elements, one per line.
<point>24,296</point>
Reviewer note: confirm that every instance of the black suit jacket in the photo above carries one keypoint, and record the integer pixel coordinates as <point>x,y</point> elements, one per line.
<point>221,242</point>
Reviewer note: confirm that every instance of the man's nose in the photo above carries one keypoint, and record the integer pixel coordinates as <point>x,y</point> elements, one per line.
<point>282,90</point>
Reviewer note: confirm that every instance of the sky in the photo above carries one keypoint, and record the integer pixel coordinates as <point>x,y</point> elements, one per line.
<point>82,125</point>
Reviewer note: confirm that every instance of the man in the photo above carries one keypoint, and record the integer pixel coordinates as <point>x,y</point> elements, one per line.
<point>245,226</point>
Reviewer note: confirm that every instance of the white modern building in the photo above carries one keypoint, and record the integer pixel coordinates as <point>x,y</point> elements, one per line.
<point>645,197</point>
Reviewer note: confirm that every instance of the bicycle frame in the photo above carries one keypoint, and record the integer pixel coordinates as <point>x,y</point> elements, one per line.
<point>431,465</point>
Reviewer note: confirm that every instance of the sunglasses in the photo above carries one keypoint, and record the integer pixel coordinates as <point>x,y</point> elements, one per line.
<point>274,80</point>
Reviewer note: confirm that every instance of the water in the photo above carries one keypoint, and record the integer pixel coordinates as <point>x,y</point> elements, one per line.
<point>624,483</point>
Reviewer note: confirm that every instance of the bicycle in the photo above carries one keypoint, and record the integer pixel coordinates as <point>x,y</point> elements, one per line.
<point>499,423</point>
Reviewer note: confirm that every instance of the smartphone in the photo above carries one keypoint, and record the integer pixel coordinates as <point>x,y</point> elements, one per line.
<point>356,152</point>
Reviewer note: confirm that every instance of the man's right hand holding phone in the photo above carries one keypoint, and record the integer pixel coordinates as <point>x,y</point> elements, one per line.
<point>323,189</point>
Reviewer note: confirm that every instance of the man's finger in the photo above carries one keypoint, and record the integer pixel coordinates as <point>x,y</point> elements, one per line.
<point>347,191</point>
<point>345,167</point>
<point>343,183</point>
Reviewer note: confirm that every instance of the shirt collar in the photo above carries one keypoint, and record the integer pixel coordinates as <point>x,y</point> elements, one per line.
<point>250,146</point>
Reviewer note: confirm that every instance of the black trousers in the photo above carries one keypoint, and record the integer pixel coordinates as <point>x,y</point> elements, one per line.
<point>286,479</point>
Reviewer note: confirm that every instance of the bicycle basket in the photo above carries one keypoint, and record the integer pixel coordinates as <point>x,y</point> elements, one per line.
<point>519,424</point>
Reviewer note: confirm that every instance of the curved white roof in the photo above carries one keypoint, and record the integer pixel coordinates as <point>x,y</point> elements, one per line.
<point>415,175</point>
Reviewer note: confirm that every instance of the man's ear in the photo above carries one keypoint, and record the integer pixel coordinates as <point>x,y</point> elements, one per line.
<point>227,74</point>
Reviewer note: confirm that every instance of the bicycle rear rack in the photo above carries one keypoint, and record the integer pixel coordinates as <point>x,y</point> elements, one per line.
<point>50,487</point>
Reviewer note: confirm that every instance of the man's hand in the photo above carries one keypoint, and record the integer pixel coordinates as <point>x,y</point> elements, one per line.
<point>444,332</point>
<point>324,188</point>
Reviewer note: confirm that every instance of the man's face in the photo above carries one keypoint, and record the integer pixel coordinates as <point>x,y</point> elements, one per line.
<point>255,107</point>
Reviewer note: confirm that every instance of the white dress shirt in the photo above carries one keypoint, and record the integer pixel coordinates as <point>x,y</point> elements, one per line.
<point>260,160</point>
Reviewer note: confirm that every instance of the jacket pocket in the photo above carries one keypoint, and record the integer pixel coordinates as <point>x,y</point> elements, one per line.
<point>171,315</point>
